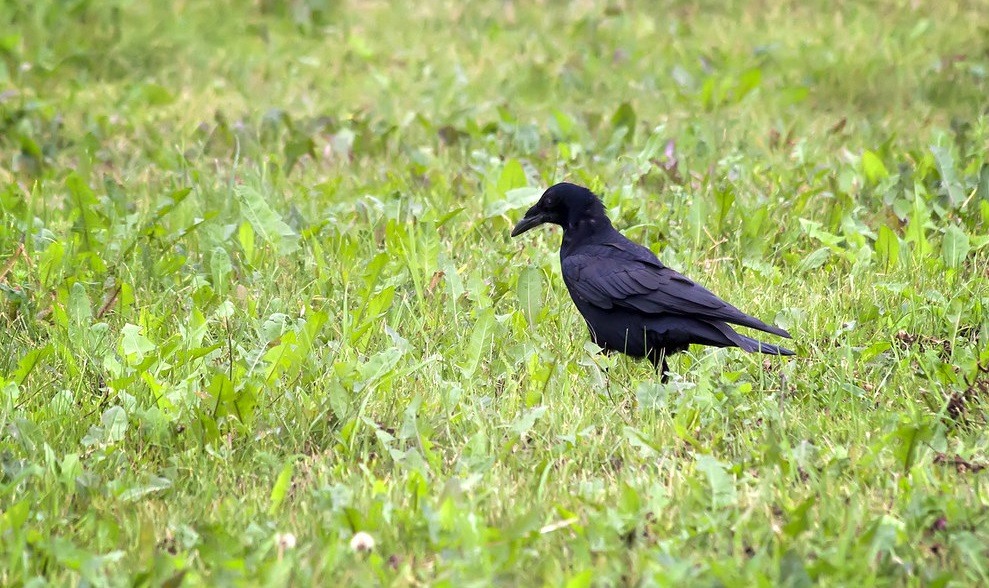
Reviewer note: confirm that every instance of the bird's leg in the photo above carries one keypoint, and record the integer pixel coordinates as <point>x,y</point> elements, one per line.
<point>607,378</point>
<point>658,357</point>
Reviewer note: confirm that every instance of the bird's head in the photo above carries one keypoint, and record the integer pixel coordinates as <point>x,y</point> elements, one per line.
<point>564,204</point>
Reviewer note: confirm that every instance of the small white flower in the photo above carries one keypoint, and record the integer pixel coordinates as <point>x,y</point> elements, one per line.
<point>361,542</point>
<point>285,540</point>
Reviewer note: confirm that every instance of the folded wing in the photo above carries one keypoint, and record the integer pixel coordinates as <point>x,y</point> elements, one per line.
<point>617,275</point>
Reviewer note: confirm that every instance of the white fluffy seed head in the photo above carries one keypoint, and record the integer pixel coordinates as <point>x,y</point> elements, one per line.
<point>362,542</point>
<point>285,540</point>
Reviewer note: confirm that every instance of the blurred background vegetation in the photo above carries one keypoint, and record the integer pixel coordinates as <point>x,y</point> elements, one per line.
<point>259,293</point>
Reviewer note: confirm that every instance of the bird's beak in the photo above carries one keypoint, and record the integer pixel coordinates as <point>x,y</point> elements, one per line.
<point>533,218</point>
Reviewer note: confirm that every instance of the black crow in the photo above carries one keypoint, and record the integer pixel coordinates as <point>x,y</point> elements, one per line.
<point>631,302</point>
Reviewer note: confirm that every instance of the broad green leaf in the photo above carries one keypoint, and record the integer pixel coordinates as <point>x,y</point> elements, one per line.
<point>747,82</point>
<point>562,124</point>
<point>84,200</point>
<point>916,232</point>
<point>530,292</point>
<point>873,167</point>
<point>246,402</point>
<point>514,199</point>
<point>512,177</point>
<point>629,501</point>
<point>224,310</point>
<point>154,94</point>
<point>360,46</point>
<point>275,326</point>
<point>754,224</point>
<point>641,442</point>
<point>623,124</point>
<point>373,269</point>
<point>267,223</point>
<point>299,144</point>
<point>380,302</point>
<point>451,276</point>
<point>114,422</point>
<point>723,491</point>
<point>134,346</point>
<point>887,247</point>
<point>977,242</point>
<point>15,515</point>
<point>480,340</point>
<point>698,218</point>
<point>908,440</point>
<point>523,522</point>
<point>79,308</point>
<point>220,267</point>
<point>799,521</point>
<point>50,266</point>
<point>874,350</point>
<point>448,216</point>
<point>652,395</point>
<point>280,489</point>
<point>707,93</point>
<point>625,118</point>
<point>814,230</point>
<point>524,423</point>
<point>245,237</point>
<point>380,365</point>
<point>814,260</point>
<point>949,175</point>
<point>192,227</point>
<point>793,95</point>
<point>793,573</point>
<point>410,427</point>
<point>725,198</point>
<point>30,361</point>
<point>283,357</point>
<point>954,246</point>
<point>222,391</point>
<point>339,399</point>
<point>584,579</point>
<point>152,485</point>
<point>170,202</point>
<point>983,189</point>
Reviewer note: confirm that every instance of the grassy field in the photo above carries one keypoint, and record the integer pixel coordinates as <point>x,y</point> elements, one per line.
<point>259,294</point>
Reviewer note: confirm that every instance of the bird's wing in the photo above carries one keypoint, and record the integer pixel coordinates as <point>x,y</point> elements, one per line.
<point>608,282</point>
<point>634,281</point>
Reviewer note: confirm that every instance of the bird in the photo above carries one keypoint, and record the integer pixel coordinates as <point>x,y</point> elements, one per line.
<point>631,302</point>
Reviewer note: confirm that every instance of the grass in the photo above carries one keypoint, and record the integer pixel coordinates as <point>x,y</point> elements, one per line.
<point>259,293</point>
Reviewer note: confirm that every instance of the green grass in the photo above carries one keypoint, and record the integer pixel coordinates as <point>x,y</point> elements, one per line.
<point>257,280</point>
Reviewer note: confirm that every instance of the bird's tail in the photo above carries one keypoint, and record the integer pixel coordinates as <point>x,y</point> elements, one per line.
<point>748,343</point>
<point>755,346</point>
